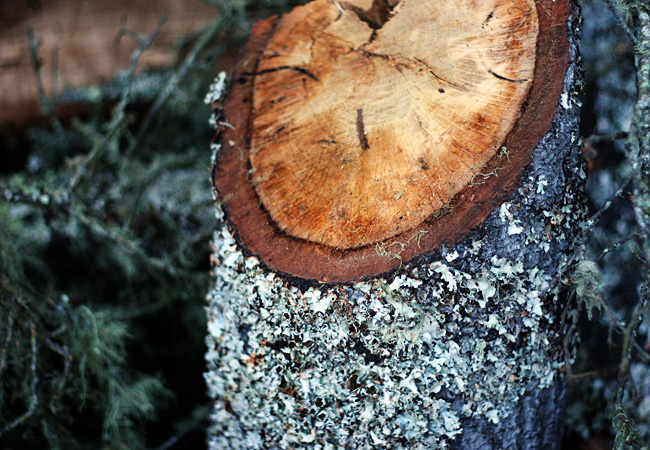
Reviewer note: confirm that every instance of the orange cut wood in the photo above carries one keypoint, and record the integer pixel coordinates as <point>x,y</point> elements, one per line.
<point>362,134</point>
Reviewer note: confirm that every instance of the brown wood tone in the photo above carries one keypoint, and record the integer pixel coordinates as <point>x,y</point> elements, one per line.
<point>80,46</point>
<point>362,134</point>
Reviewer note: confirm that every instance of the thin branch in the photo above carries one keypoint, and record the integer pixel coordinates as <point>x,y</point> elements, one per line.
<point>145,43</point>
<point>595,218</point>
<point>3,350</point>
<point>598,138</point>
<point>46,103</point>
<point>34,45</point>
<point>119,115</point>
<point>33,400</point>
<point>622,22</point>
<point>626,434</point>
<point>67,365</point>
<point>55,72</point>
<point>615,246</point>
<point>588,227</point>
<point>629,335</point>
<point>175,79</point>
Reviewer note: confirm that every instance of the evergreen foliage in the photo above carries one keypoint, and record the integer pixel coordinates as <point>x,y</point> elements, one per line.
<point>104,257</point>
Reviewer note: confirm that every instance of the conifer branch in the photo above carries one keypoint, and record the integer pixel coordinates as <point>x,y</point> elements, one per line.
<point>33,399</point>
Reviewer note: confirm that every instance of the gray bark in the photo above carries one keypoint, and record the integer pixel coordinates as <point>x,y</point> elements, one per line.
<point>463,349</point>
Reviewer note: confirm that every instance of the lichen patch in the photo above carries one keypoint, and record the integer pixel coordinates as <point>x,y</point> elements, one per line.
<point>409,359</point>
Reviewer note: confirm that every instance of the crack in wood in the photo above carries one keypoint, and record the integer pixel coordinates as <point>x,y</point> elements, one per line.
<point>276,69</point>
<point>415,61</point>
<point>438,77</point>
<point>361,131</point>
<point>501,77</point>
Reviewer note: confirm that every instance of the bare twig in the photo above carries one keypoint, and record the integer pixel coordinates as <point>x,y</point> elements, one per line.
<point>119,115</point>
<point>615,246</point>
<point>145,42</point>
<point>55,72</point>
<point>622,22</point>
<point>34,44</point>
<point>67,365</point>
<point>595,218</point>
<point>8,334</point>
<point>173,81</point>
<point>46,103</point>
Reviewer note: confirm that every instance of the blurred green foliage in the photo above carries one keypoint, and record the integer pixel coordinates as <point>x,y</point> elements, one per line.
<point>104,258</point>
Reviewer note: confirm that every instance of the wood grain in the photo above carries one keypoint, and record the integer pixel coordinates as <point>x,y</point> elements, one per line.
<point>438,89</point>
<point>363,138</point>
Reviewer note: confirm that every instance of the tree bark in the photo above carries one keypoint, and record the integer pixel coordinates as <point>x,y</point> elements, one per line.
<point>460,345</point>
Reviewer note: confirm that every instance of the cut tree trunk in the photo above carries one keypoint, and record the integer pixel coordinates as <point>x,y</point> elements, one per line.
<point>398,190</point>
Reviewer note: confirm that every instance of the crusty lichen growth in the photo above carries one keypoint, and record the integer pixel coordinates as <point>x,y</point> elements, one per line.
<point>374,365</point>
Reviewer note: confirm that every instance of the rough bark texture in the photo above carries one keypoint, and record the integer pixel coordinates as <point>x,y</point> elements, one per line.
<point>462,349</point>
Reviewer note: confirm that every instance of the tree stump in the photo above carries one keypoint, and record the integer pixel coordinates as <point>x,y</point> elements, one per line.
<point>398,188</point>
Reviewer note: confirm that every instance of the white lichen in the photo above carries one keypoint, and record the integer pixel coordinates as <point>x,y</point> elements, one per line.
<point>515,228</point>
<point>216,89</point>
<point>369,363</point>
